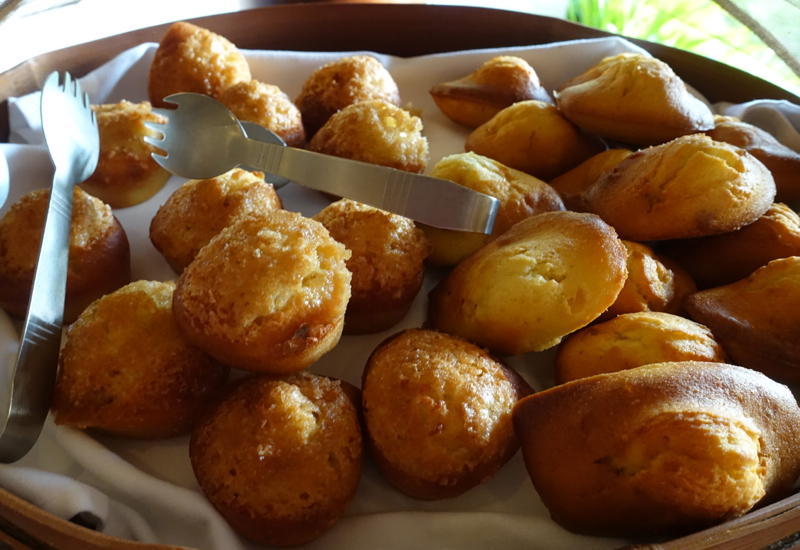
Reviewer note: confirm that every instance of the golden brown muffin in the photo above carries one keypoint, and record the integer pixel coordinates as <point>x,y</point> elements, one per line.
<point>267,106</point>
<point>280,457</point>
<point>654,283</point>
<point>533,137</point>
<point>193,59</point>
<point>498,83</point>
<point>723,259</point>
<point>126,369</point>
<point>99,253</point>
<point>438,413</point>
<point>126,173</point>
<point>633,98</point>
<point>268,293</point>
<point>388,252</point>
<point>631,340</point>
<point>199,209</point>
<point>544,278</point>
<point>374,131</point>
<point>520,196</point>
<point>571,185</point>
<point>757,319</point>
<point>690,187</point>
<point>782,162</point>
<point>343,82</point>
<point>661,448</point>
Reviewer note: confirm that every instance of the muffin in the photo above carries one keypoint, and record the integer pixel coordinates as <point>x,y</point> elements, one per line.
<point>194,59</point>
<point>199,209</point>
<point>660,449</point>
<point>631,340</point>
<point>267,106</point>
<point>690,187</point>
<point>782,162</point>
<point>126,173</point>
<point>533,137</point>
<point>387,267</point>
<point>498,83</point>
<point>340,83</point>
<point>571,185</point>
<point>126,369</point>
<point>633,98</point>
<point>437,411</point>
<point>544,278</point>
<point>520,196</point>
<point>654,283</point>
<point>99,253</point>
<point>757,319</point>
<point>268,293</point>
<point>377,132</point>
<point>724,259</point>
<point>280,457</point>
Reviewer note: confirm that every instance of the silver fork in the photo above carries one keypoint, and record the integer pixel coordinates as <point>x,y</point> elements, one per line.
<point>70,130</point>
<point>203,139</point>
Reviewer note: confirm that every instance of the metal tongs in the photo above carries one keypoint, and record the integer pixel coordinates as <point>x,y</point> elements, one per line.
<point>203,139</point>
<point>70,130</point>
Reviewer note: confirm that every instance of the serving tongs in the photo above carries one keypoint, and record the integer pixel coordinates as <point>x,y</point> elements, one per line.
<point>203,139</point>
<point>70,130</point>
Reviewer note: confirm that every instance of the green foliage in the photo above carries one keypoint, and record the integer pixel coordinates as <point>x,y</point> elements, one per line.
<point>699,26</point>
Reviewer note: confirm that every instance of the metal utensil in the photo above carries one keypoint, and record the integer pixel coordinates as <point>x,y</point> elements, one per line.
<point>203,139</point>
<point>70,130</point>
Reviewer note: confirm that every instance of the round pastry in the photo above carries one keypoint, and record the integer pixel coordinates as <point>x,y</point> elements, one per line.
<point>631,340</point>
<point>757,319</point>
<point>280,457</point>
<point>690,187</point>
<point>723,259</point>
<point>193,59</point>
<point>654,283</point>
<point>99,253</point>
<point>520,196</point>
<point>374,131</point>
<point>343,82</point>
<point>533,137</point>
<point>126,369</point>
<point>662,448</point>
<point>782,162</point>
<point>199,209</point>
<point>387,258</point>
<point>544,278</point>
<point>571,185</point>
<point>126,173</point>
<point>498,83</point>
<point>437,411</point>
<point>268,293</point>
<point>633,98</point>
<point>267,106</point>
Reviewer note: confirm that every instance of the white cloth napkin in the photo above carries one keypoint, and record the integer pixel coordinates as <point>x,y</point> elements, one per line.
<point>146,491</point>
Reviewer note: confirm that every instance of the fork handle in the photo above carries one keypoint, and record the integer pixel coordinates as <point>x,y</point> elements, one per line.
<point>34,374</point>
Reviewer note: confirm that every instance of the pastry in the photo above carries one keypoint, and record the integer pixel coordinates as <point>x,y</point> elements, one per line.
<point>571,185</point>
<point>126,173</point>
<point>533,137</point>
<point>268,293</point>
<point>437,411</point>
<point>387,258</point>
<point>126,369</point>
<point>633,98</point>
<point>690,187</point>
<point>546,277</point>
<point>498,83</point>
<point>280,456</point>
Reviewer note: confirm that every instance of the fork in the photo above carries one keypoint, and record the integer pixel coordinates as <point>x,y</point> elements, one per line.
<point>70,130</point>
<point>203,139</point>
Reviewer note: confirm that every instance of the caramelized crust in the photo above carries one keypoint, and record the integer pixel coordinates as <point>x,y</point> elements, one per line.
<point>572,185</point>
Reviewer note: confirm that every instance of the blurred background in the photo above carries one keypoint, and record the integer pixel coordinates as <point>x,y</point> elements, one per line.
<point>758,36</point>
